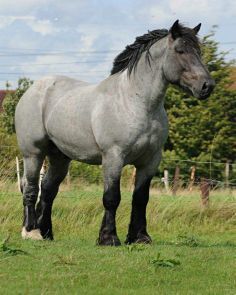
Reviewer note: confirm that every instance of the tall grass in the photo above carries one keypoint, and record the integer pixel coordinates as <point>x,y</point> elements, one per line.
<point>78,211</point>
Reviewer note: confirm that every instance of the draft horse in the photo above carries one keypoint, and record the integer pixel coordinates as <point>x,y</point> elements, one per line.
<point>119,121</point>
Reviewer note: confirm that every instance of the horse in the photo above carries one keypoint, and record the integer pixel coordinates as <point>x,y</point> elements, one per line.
<point>117,122</point>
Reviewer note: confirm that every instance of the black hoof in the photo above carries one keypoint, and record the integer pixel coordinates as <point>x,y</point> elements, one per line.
<point>108,241</point>
<point>48,236</point>
<point>46,233</point>
<point>138,239</point>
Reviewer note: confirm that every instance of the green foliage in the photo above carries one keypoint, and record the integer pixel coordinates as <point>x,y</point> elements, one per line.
<point>158,262</point>
<point>204,130</point>
<point>9,251</point>
<point>85,172</point>
<point>10,102</point>
<point>8,152</point>
<point>9,149</point>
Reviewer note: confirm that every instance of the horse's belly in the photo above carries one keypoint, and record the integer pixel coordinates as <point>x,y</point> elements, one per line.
<point>84,153</point>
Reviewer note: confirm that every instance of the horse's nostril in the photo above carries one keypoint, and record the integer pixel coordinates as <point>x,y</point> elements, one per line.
<point>205,86</point>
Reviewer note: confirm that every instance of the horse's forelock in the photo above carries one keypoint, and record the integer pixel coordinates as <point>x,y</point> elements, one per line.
<point>190,37</point>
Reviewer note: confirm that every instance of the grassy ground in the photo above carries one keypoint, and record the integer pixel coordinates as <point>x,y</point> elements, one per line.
<point>193,251</point>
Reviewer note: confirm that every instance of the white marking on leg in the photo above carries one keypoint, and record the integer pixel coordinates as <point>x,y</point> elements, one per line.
<point>33,234</point>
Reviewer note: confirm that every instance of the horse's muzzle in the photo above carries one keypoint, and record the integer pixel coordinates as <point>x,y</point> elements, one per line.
<point>205,90</point>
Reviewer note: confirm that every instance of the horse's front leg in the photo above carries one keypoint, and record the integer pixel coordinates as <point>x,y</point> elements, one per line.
<point>112,166</point>
<point>137,232</point>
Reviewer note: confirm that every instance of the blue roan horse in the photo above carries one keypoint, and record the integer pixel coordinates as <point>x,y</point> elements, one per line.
<point>119,121</point>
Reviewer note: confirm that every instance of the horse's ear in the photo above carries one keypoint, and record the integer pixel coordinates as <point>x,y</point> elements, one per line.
<point>175,30</point>
<point>197,28</point>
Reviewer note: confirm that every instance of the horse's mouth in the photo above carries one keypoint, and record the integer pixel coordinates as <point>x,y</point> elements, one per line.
<point>202,94</point>
<point>198,94</point>
<point>186,89</point>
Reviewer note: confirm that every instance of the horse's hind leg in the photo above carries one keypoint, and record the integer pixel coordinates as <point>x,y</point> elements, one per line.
<point>58,168</point>
<point>30,187</point>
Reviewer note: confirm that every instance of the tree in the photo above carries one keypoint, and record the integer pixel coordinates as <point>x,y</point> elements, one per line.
<point>10,102</point>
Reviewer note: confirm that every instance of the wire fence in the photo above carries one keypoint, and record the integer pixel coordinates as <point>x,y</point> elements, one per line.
<point>172,174</point>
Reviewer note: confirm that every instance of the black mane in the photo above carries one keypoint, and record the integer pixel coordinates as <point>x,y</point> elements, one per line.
<point>129,58</point>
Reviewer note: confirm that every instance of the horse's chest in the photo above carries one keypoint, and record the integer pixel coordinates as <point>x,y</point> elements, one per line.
<point>152,139</point>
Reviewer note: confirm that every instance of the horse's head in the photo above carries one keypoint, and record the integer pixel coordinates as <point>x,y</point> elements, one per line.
<point>183,65</point>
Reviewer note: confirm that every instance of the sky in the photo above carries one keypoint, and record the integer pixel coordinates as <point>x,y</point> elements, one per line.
<point>81,38</point>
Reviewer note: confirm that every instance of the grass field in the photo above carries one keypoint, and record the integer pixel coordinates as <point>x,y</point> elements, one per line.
<point>193,251</point>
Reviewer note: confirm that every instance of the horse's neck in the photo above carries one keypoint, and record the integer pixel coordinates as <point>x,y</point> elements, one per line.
<point>144,87</point>
<point>149,87</point>
<point>146,83</point>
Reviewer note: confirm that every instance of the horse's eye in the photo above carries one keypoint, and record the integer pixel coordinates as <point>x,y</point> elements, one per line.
<point>180,51</point>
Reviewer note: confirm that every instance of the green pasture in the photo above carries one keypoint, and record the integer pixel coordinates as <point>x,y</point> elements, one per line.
<point>193,250</point>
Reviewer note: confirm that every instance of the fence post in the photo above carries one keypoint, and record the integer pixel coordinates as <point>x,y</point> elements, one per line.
<point>205,192</point>
<point>227,174</point>
<point>192,178</point>
<point>176,180</point>
<point>18,173</point>
<point>166,180</point>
